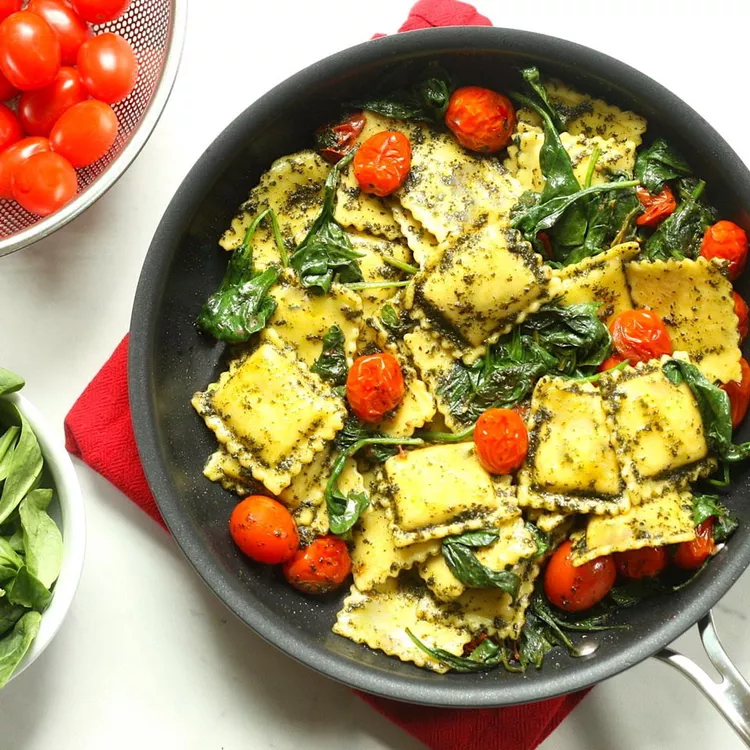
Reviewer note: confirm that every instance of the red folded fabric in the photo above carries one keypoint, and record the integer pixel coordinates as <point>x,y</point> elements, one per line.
<point>99,431</point>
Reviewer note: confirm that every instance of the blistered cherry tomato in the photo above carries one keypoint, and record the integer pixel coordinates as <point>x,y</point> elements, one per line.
<point>29,51</point>
<point>264,530</point>
<point>375,386</point>
<point>85,132</point>
<point>658,206</point>
<point>646,562</point>
<point>320,567</point>
<point>71,29</point>
<point>15,155</point>
<point>612,361</point>
<point>10,129</point>
<point>100,11</point>
<point>691,555</point>
<point>482,120</point>
<point>741,311</point>
<point>39,110</point>
<point>574,589</point>
<point>501,440</point>
<point>9,6</point>
<point>640,335</point>
<point>7,89</point>
<point>739,394</point>
<point>336,140</point>
<point>728,241</point>
<point>382,163</point>
<point>108,67</point>
<point>44,182</point>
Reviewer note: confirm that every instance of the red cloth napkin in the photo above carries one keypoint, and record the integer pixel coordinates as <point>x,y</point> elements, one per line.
<point>99,431</point>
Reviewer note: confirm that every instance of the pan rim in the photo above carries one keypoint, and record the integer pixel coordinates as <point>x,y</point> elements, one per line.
<point>429,690</point>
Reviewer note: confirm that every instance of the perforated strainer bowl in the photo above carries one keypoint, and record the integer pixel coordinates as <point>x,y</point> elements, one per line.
<point>156,30</point>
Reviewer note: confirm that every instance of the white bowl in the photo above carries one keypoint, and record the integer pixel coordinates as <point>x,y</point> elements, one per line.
<point>67,510</point>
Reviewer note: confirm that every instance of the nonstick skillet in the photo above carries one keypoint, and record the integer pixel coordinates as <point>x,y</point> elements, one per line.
<point>169,361</point>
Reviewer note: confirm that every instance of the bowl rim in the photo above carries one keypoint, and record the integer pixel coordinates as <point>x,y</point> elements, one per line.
<point>70,499</point>
<point>164,247</point>
<point>120,164</point>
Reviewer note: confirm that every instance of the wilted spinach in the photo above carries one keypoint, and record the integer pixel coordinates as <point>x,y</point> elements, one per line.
<point>331,364</point>
<point>658,164</point>
<point>354,430</point>
<point>708,506</point>
<point>397,322</point>
<point>487,655</point>
<point>541,539</point>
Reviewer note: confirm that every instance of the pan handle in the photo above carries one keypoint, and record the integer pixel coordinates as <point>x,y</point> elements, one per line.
<point>731,695</point>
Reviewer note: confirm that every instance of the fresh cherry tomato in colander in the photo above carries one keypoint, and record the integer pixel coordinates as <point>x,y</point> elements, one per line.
<point>108,67</point>
<point>13,156</point>
<point>85,132</point>
<point>29,51</point>
<point>39,110</point>
<point>44,182</point>
<point>100,11</point>
<point>70,28</point>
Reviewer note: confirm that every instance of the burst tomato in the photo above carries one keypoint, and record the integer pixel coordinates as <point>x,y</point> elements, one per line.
<point>29,51</point>
<point>15,155</point>
<point>375,386</point>
<point>646,562</point>
<point>10,129</point>
<point>100,11</point>
<point>612,361</point>
<point>71,29</point>
<point>85,132</point>
<point>44,182</point>
<point>482,120</point>
<point>691,555</point>
<point>382,163</point>
<point>739,394</point>
<point>39,110</point>
<point>741,311</point>
<point>501,440</point>
<point>336,140</point>
<point>108,67</point>
<point>728,241</point>
<point>574,589</point>
<point>640,335</point>
<point>264,530</point>
<point>657,207</point>
<point>320,567</point>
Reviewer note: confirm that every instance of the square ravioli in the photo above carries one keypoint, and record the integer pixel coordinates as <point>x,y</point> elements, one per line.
<point>601,279</point>
<point>667,519</point>
<point>656,428</point>
<point>694,299</point>
<point>272,413</point>
<point>441,490</point>
<point>486,281</point>
<point>571,465</point>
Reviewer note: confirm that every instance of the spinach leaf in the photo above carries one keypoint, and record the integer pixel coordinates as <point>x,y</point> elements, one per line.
<point>541,539</point>
<point>27,590</point>
<point>42,539</point>
<point>24,467</point>
<point>533,80</point>
<point>396,322</point>
<point>10,614</point>
<point>241,305</point>
<point>713,404</point>
<point>331,364</point>
<point>707,506</point>
<point>463,563</point>
<point>10,382</point>
<point>13,647</point>
<point>10,562</point>
<point>659,163</point>
<point>680,234</point>
<point>354,430</point>
<point>592,623</point>
<point>535,642</point>
<point>426,100</point>
<point>631,593</point>
<point>326,252</point>
<point>487,655</point>
<point>7,446</point>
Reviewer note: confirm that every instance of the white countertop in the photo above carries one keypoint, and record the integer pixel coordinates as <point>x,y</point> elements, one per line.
<point>148,658</point>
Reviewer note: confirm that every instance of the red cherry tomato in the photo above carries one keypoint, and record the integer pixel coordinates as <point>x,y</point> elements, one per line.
<point>9,6</point>
<point>29,51</point>
<point>264,530</point>
<point>728,241</point>
<point>646,562</point>
<point>640,335</point>
<point>375,386</point>
<point>7,89</point>
<point>612,361</point>
<point>336,140</point>
<point>382,163</point>
<point>71,29</point>
<point>44,182</point>
<point>691,555</point>
<point>482,120</point>
<point>15,155</point>
<point>108,67</point>
<point>10,129</point>
<point>39,110</point>
<point>658,206</point>
<point>574,589</point>
<point>100,11</point>
<point>85,132</point>
<point>739,394</point>
<point>320,567</point>
<point>501,440</point>
<point>741,311</point>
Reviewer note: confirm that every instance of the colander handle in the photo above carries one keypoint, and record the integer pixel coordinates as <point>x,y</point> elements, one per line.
<point>731,695</point>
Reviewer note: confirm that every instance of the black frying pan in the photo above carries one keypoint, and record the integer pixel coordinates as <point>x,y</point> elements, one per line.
<point>169,360</point>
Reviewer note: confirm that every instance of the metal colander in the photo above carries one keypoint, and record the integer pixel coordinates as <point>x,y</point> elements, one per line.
<point>156,30</point>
